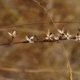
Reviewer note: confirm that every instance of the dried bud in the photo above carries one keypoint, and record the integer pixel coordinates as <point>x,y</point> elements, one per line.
<point>67,35</point>
<point>12,34</point>
<point>49,35</point>
<point>30,39</point>
<point>78,37</point>
<point>56,38</point>
<point>61,31</point>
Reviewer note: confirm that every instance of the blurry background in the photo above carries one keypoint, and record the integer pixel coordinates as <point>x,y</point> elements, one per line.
<point>41,61</point>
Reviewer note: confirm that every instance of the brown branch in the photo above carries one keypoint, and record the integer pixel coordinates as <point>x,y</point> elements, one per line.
<point>38,41</point>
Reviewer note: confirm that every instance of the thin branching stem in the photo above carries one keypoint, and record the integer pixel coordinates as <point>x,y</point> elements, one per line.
<point>37,41</point>
<point>68,64</point>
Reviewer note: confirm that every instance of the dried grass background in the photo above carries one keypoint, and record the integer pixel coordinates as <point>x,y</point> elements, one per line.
<point>38,61</point>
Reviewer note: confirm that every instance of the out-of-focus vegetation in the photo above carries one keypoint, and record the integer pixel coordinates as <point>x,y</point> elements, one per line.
<point>46,60</point>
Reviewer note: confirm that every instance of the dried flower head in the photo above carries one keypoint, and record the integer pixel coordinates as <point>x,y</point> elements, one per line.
<point>12,34</point>
<point>49,35</point>
<point>30,39</point>
<point>78,37</point>
<point>61,31</point>
<point>67,35</point>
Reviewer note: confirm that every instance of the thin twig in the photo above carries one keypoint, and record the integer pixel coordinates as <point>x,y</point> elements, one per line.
<point>68,64</point>
<point>37,41</point>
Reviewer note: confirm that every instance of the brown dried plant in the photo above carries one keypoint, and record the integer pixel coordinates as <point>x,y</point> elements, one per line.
<point>50,37</point>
